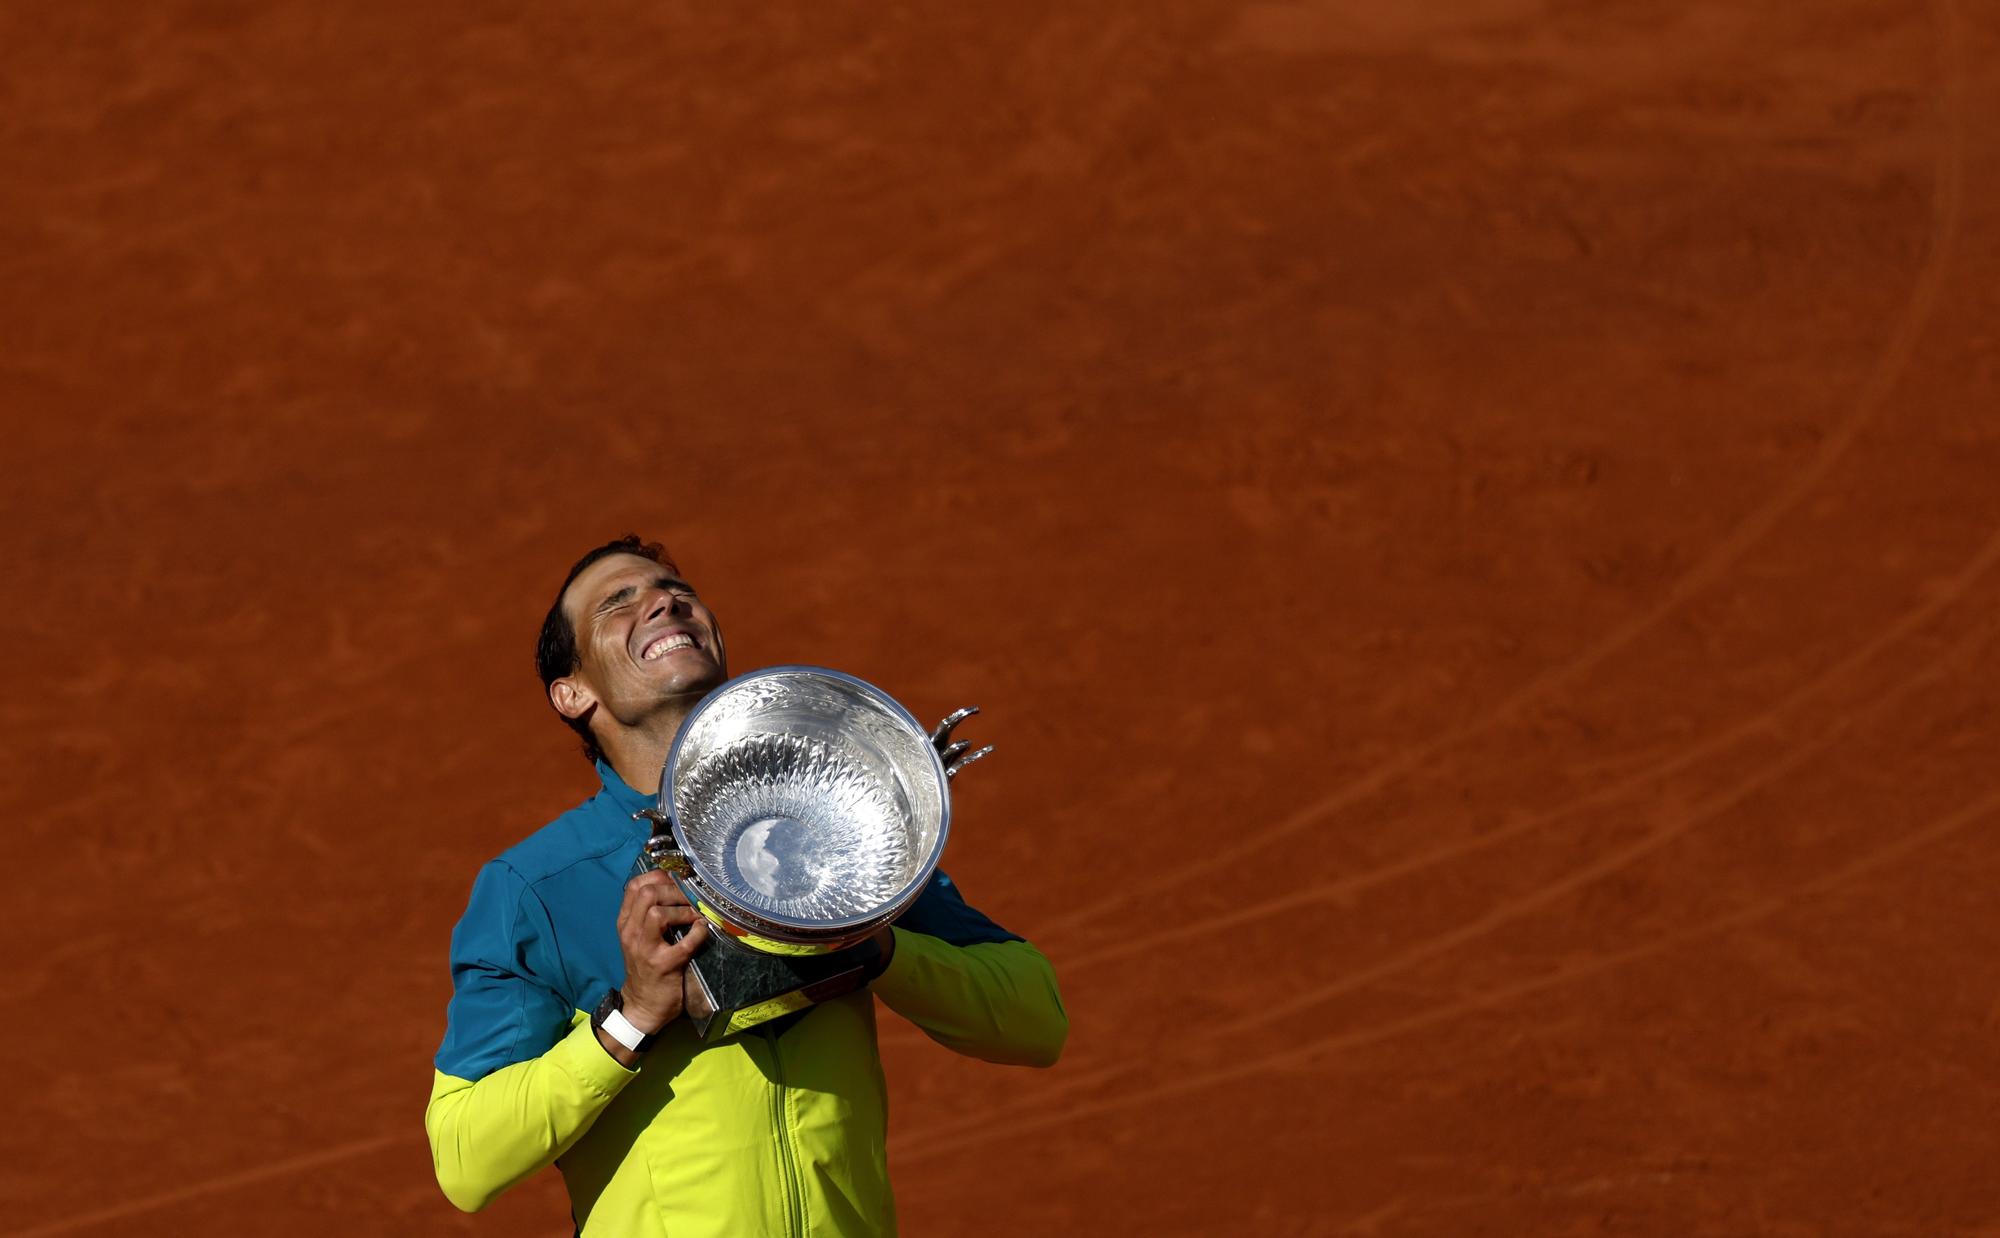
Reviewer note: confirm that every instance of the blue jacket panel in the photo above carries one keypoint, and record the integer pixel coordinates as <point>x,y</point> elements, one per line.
<point>538,940</point>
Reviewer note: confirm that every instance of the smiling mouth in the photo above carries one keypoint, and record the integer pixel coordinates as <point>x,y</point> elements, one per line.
<point>666,643</point>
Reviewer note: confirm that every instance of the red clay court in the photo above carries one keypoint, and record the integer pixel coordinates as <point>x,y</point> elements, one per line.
<point>1475,527</point>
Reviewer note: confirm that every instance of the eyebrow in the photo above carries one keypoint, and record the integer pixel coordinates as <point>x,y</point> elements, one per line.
<point>621,596</point>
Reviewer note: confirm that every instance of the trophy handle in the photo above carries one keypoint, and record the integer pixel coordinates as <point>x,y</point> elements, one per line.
<point>660,851</point>
<point>954,754</point>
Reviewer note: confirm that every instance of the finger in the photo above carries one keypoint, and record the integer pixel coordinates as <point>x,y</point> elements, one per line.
<point>944,729</point>
<point>659,916</point>
<point>659,929</point>
<point>640,892</point>
<point>672,895</point>
<point>956,750</point>
<point>679,952</point>
<point>666,954</point>
<point>636,888</point>
<point>952,771</point>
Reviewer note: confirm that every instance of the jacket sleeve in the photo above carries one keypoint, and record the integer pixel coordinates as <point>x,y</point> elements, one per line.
<point>521,1075</point>
<point>971,985</point>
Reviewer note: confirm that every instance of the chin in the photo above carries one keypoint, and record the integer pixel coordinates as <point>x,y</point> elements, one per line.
<point>692,680</point>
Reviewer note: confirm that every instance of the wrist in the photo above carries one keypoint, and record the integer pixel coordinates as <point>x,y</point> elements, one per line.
<point>633,1029</point>
<point>646,1020</point>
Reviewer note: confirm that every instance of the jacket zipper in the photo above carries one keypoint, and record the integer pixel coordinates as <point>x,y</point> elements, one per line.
<point>795,1208</point>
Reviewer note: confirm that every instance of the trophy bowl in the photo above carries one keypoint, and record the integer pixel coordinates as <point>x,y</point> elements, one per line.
<point>810,808</point>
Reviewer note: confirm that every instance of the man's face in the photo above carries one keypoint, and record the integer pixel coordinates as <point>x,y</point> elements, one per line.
<point>642,638</point>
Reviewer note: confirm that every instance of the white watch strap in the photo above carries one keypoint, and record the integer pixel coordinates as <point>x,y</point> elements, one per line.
<point>622,1031</point>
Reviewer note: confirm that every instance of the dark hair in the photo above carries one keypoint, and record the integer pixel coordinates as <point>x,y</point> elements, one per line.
<point>555,650</point>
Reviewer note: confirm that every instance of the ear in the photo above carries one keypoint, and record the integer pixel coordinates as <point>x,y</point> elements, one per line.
<point>571,696</point>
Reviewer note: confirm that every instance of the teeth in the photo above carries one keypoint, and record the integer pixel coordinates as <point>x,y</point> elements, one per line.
<point>679,640</point>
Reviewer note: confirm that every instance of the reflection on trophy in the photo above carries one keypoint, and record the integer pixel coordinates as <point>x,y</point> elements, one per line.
<point>800,810</point>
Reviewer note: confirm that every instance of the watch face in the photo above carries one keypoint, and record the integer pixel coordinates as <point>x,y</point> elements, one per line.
<point>613,1000</point>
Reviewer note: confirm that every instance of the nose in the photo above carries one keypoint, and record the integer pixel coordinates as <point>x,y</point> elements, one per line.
<point>665,602</point>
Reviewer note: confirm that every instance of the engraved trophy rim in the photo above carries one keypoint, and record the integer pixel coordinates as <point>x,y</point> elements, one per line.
<point>769,922</point>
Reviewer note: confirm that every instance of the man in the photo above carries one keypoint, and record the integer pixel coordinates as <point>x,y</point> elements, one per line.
<point>560,962</point>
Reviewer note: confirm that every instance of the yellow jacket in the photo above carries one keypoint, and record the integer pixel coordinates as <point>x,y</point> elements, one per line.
<point>777,1130</point>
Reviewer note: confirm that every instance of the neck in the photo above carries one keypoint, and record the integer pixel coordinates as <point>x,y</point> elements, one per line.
<point>639,753</point>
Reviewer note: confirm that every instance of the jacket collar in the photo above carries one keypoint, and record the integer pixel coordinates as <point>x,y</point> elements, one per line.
<point>623,797</point>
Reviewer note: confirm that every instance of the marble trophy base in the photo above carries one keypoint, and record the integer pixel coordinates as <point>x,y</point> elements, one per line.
<point>730,987</point>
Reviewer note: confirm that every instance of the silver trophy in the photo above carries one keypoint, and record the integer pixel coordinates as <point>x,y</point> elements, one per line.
<point>800,810</point>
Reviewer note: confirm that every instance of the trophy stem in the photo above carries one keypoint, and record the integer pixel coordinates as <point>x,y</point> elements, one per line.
<point>730,987</point>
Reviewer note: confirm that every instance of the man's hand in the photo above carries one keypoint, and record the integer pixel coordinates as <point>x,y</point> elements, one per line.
<point>654,966</point>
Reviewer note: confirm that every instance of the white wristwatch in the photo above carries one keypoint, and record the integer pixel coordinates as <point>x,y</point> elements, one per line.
<point>611,1017</point>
